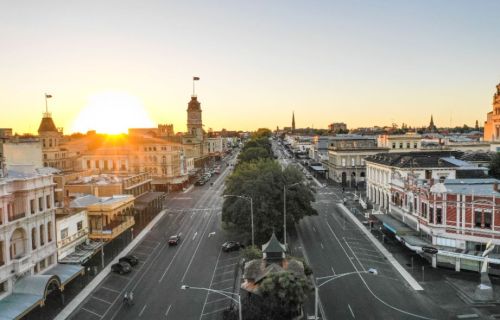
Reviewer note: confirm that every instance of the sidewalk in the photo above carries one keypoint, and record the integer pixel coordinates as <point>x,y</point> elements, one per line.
<point>71,307</point>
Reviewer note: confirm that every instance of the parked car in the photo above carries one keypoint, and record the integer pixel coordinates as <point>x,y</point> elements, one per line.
<point>130,259</point>
<point>200,182</point>
<point>231,246</point>
<point>121,267</point>
<point>174,240</point>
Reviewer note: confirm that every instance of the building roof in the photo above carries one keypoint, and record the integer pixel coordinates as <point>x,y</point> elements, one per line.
<point>84,201</point>
<point>477,156</point>
<point>273,246</point>
<point>47,124</point>
<point>194,104</point>
<point>425,159</point>
<point>478,187</point>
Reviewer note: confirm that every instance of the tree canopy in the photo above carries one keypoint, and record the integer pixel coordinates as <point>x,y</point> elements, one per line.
<point>263,180</point>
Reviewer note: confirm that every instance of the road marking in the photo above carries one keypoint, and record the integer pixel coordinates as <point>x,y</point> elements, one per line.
<point>94,297</point>
<point>227,265</point>
<point>212,312</point>
<point>143,308</point>
<point>217,300</point>
<point>350,309</point>
<point>321,244</point>
<point>168,310</point>
<point>109,289</point>
<point>196,250</point>
<point>82,308</point>
<point>211,281</point>
<point>314,229</point>
<point>195,234</point>
<point>333,270</point>
<point>219,282</point>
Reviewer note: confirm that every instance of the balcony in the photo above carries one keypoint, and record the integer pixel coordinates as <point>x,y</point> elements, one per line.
<point>112,230</point>
<point>21,265</point>
<point>73,238</point>
<point>17,216</point>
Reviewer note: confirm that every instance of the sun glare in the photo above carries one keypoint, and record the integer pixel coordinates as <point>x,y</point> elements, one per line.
<point>112,113</point>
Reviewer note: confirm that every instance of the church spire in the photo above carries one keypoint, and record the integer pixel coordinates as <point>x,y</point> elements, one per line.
<point>293,122</point>
<point>432,127</point>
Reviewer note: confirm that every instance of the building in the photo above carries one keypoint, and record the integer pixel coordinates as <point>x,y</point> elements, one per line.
<point>386,168</point>
<point>337,127</point>
<point>108,217</point>
<point>346,158</point>
<point>400,142</point>
<point>492,124</point>
<point>28,251</point>
<point>432,128</point>
<point>193,141</point>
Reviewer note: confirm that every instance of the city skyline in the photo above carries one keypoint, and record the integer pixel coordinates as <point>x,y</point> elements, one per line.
<point>361,63</point>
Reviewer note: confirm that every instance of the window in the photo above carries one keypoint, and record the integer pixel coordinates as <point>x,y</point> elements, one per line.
<point>42,264</point>
<point>47,201</point>
<point>32,206</point>
<point>400,145</point>
<point>64,233</point>
<point>394,145</point>
<point>40,204</point>
<point>33,239</point>
<point>3,287</point>
<point>431,214</point>
<point>477,218</point>
<point>96,164</point>
<point>49,231</point>
<point>408,145</point>
<point>44,156</point>
<point>79,225</point>
<point>439,215</point>
<point>343,162</point>
<point>353,162</point>
<point>42,232</point>
<point>89,165</point>
<point>487,219</point>
<point>423,212</point>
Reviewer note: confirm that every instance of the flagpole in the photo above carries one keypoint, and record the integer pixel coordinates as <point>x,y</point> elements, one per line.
<point>46,107</point>
<point>193,87</point>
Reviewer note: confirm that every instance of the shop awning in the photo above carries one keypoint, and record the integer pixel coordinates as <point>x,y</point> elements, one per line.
<point>65,272</point>
<point>28,293</point>
<point>395,226</point>
<point>318,168</point>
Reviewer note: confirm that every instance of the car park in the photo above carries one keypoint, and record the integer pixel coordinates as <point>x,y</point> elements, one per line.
<point>174,240</point>
<point>130,259</point>
<point>121,267</point>
<point>231,246</point>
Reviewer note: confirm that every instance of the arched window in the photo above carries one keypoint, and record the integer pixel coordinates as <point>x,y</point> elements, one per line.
<point>49,231</point>
<point>33,238</point>
<point>42,233</point>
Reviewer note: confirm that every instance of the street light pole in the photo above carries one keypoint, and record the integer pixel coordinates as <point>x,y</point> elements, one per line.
<point>226,294</point>
<point>251,211</point>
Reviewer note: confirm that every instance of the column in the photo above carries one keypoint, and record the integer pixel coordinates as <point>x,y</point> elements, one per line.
<point>434,260</point>
<point>457,264</point>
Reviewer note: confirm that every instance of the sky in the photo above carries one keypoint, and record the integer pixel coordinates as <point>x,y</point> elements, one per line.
<point>364,63</point>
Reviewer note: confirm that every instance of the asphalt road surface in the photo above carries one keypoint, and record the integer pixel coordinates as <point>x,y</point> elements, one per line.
<point>196,261</point>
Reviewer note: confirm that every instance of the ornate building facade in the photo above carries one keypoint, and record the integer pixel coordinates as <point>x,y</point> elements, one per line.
<point>492,124</point>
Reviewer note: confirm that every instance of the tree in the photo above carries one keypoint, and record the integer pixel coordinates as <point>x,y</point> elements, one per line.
<point>253,153</point>
<point>280,297</point>
<point>495,166</point>
<point>263,181</point>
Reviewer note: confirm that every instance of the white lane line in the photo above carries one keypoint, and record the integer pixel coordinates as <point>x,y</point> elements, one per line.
<point>195,234</point>
<point>82,308</point>
<point>321,244</point>
<point>94,297</point>
<point>227,265</point>
<point>143,308</point>
<point>171,261</point>
<point>370,255</point>
<point>333,270</point>
<point>197,247</point>
<point>217,300</point>
<point>219,282</point>
<point>211,281</point>
<point>212,312</point>
<point>109,289</point>
<point>168,310</point>
<point>350,309</point>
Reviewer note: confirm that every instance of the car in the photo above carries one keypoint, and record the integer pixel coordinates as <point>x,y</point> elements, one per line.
<point>231,246</point>
<point>174,240</point>
<point>200,182</point>
<point>121,267</point>
<point>130,259</point>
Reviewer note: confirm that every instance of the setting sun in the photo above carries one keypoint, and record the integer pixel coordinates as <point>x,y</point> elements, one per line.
<point>112,112</point>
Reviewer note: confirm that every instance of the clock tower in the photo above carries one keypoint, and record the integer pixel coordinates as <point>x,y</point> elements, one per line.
<point>194,122</point>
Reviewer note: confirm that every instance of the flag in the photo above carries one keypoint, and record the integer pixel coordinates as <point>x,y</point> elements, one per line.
<point>196,78</point>
<point>48,96</point>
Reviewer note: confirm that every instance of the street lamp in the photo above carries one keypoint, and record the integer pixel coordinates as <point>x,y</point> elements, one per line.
<point>284,208</point>
<point>251,211</point>
<point>331,278</point>
<point>226,294</point>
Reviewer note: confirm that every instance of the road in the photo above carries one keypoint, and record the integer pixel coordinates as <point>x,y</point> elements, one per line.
<point>196,261</point>
<point>333,245</point>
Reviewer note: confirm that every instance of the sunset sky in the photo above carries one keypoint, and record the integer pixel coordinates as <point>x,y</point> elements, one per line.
<point>130,63</point>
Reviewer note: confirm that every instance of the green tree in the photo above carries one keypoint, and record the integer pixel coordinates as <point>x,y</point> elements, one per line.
<point>263,181</point>
<point>281,296</point>
<point>252,154</point>
<point>495,166</point>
